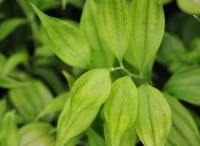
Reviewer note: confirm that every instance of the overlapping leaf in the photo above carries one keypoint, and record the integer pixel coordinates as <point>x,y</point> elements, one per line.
<point>120,110</point>
<point>67,41</point>
<point>101,55</point>
<point>184,130</point>
<point>88,93</point>
<point>147,33</point>
<point>154,118</point>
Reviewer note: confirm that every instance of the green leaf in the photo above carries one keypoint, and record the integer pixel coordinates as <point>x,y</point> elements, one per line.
<point>88,94</point>
<point>154,119</point>
<point>129,138</point>
<point>147,33</point>
<point>3,108</point>
<point>101,55</point>
<point>69,78</point>
<point>172,52</point>
<point>36,134</point>
<point>184,130</point>
<point>94,139</point>
<point>115,25</point>
<point>9,135</point>
<point>67,41</point>
<point>185,85</point>
<point>56,105</point>
<point>189,6</point>
<point>121,109</point>
<point>8,83</point>
<point>8,26</point>
<point>13,61</point>
<point>30,99</point>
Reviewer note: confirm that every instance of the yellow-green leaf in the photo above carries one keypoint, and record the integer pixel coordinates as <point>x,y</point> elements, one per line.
<point>120,110</point>
<point>154,118</point>
<point>67,41</point>
<point>88,94</point>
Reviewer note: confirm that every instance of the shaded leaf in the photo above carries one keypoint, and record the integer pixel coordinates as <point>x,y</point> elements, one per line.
<point>185,85</point>
<point>94,139</point>
<point>30,99</point>
<point>8,26</point>
<point>184,130</point>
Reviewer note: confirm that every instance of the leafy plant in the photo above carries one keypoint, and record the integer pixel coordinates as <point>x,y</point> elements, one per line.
<point>109,59</point>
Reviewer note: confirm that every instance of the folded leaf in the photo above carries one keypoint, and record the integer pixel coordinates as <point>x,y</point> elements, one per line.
<point>147,33</point>
<point>184,130</point>
<point>101,55</point>
<point>88,94</point>
<point>120,109</point>
<point>94,139</point>
<point>67,41</point>
<point>7,27</point>
<point>39,134</point>
<point>29,100</point>
<point>185,85</point>
<point>69,78</point>
<point>154,118</point>
<point>189,6</point>
<point>9,135</point>
<point>115,25</point>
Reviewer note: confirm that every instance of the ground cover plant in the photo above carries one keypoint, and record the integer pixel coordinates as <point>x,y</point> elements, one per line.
<point>99,73</point>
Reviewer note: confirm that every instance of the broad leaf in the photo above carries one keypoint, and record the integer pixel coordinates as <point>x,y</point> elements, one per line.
<point>189,6</point>
<point>185,85</point>
<point>129,138</point>
<point>184,130</point>
<point>115,25</point>
<point>154,119</point>
<point>101,55</point>
<point>9,135</point>
<point>30,99</point>
<point>39,134</point>
<point>67,41</point>
<point>88,94</point>
<point>147,33</point>
<point>120,110</point>
<point>8,26</point>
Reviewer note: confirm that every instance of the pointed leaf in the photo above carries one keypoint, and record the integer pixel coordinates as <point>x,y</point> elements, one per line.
<point>115,25</point>
<point>67,41</point>
<point>9,135</point>
<point>94,139</point>
<point>154,119</point>
<point>121,109</point>
<point>88,94</point>
<point>147,33</point>
<point>102,56</point>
